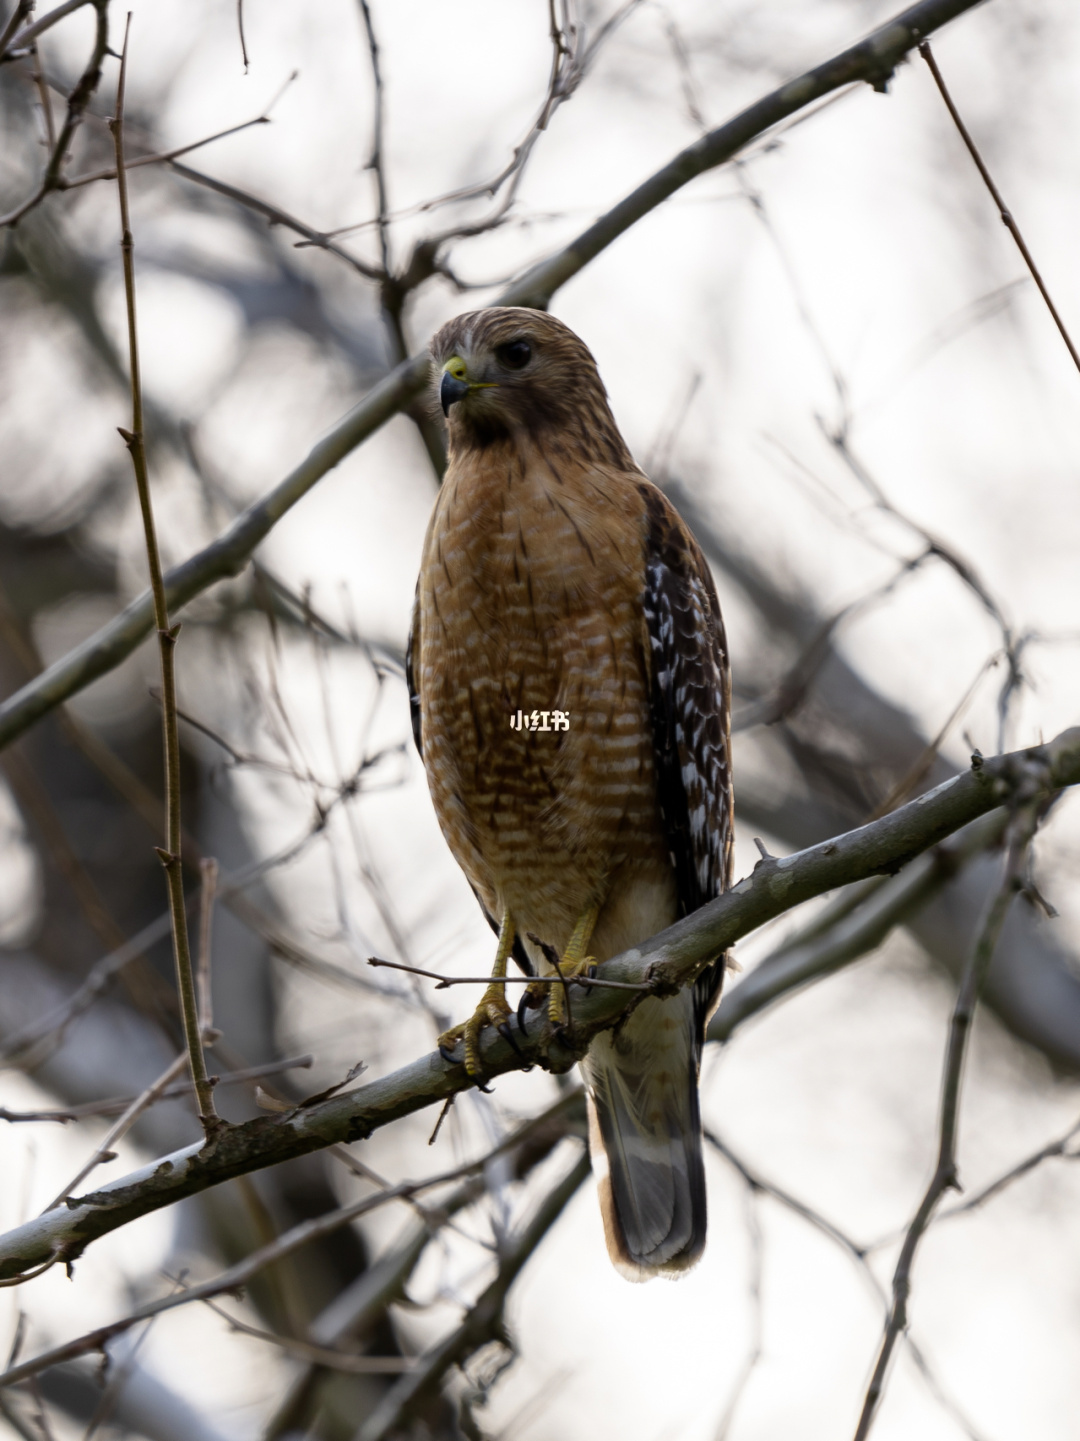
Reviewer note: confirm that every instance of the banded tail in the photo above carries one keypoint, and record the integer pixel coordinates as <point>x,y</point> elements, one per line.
<point>645,1139</point>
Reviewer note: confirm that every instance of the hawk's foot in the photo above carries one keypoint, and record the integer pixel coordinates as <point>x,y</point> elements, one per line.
<point>558,1012</point>
<point>492,1011</point>
<point>575,962</point>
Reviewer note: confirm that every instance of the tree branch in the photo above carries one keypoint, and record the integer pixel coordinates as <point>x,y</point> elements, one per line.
<point>945,1177</point>
<point>170,856</point>
<point>872,60</point>
<point>483,1321</point>
<point>78,100</point>
<point>667,962</point>
<point>855,932</point>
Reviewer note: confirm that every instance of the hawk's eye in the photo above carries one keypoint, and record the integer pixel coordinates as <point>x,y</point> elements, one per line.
<point>515,354</point>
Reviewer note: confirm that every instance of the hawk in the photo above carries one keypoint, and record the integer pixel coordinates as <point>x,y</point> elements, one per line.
<point>570,696</point>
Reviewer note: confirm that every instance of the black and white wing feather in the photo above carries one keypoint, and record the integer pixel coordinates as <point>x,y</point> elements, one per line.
<point>691,719</point>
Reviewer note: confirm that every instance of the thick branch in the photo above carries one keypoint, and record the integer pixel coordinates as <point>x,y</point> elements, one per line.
<point>872,60</point>
<point>667,962</point>
<point>856,933</point>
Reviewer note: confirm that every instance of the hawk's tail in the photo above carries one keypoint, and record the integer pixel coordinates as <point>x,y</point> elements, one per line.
<point>645,1139</point>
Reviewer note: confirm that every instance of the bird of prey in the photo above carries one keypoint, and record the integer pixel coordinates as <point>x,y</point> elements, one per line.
<point>570,697</point>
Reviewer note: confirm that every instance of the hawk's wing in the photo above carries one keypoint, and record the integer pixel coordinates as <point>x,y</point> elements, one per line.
<point>691,718</point>
<point>410,677</point>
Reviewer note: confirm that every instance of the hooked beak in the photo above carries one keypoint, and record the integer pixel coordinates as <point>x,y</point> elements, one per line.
<point>452,389</point>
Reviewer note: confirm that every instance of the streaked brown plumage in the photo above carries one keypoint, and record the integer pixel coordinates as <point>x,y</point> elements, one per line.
<point>555,576</point>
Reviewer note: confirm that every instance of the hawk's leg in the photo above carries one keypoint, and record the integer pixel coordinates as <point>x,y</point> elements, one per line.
<point>575,962</point>
<point>492,1010</point>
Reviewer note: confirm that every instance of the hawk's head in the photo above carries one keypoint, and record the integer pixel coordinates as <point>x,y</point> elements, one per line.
<point>510,370</point>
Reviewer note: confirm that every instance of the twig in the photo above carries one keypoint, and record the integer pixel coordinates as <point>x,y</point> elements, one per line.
<point>232,1279</point>
<point>28,1047</point>
<point>871,60</point>
<point>482,1323</point>
<point>447,1107</point>
<point>375,160</point>
<point>38,78</point>
<point>37,805</point>
<point>46,1265</point>
<point>120,1375</point>
<point>1006,215</point>
<point>759,1184</point>
<point>276,216</point>
<point>853,931</point>
<point>945,1176</point>
<point>16,1422</point>
<point>1016,1173</point>
<point>78,100</point>
<point>788,695</point>
<point>26,38</point>
<point>670,960</point>
<point>167,636</point>
<point>163,156</point>
<point>446,981</point>
<point>994,1188</point>
<point>921,768</point>
<point>121,1127</point>
<point>115,1106</point>
<point>359,1308</point>
<point>322,1356</point>
<point>240,28</point>
<point>23,8</point>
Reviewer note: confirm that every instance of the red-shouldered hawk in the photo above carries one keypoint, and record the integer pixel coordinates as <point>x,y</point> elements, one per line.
<point>571,698</point>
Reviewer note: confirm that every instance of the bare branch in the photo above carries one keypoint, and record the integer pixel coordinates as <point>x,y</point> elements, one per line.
<point>756,1182</point>
<point>483,1321</point>
<point>115,1132</point>
<point>669,961</point>
<point>276,216</point>
<point>854,933</point>
<point>1003,210</point>
<point>170,856</point>
<point>115,1106</point>
<point>945,1177</point>
<point>243,40</point>
<point>23,8</point>
<point>25,38</point>
<point>232,1279</point>
<point>375,160</point>
<point>78,100</point>
<point>77,180</point>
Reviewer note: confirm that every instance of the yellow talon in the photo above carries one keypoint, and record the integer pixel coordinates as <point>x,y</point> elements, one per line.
<point>492,1009</point>
<point>575,962</point>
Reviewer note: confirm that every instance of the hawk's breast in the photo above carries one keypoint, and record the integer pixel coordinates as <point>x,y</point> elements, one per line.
<point>530,613</point>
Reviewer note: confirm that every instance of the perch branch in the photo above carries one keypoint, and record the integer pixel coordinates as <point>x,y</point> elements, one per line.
<point>667,962</point>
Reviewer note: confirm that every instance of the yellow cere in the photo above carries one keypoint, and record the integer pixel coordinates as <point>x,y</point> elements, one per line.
<point>456,367</point>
